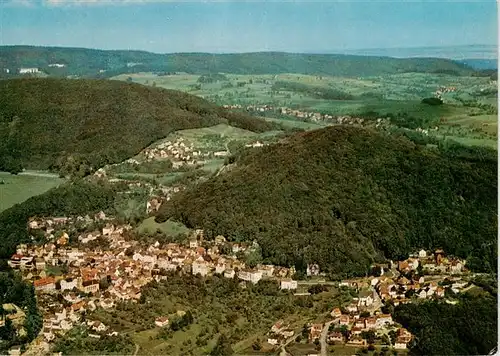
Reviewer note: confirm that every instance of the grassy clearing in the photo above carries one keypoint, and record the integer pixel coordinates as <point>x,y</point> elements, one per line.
<point>169,228</point>
<point>213,165</point>
<point>15,189</point>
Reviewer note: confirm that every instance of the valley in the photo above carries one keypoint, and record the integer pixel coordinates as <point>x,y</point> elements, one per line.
<point>468,114</point>
<point>253,206</point>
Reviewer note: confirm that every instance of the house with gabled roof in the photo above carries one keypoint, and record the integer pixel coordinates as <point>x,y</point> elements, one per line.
<point>336,313</point>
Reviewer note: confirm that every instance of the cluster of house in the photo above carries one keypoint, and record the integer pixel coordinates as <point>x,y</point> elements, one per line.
<point>256,144</point>
<point>300,114</point>
<point>279,333</point>
<point>178,152</point>
<point>411,283</point>
<point>409,286</point>
<point>443,90</point>
<point>425,131</point>
<point>348,329</point>
<point>90,277</point>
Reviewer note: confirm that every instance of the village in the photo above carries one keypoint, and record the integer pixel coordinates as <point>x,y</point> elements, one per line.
<point>300,114</point>
<point>102,268</point>
<point>73,277</point>
<point>362,323</point>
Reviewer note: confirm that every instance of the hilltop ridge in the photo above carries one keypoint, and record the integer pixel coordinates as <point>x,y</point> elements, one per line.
<point>77,125</point>
<point>107,63</point>
<point>344,197</point>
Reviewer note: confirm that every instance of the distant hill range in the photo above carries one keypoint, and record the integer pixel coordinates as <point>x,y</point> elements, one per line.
<point>458,53</point>
<point>481,64</point>
<point>73,125</point>
<point>57,61</point>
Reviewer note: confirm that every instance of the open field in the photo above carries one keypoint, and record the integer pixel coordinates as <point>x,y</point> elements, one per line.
<point>270,89</point>
<point>17,188</point>
<point>470,103</point>
<point>169,228</point>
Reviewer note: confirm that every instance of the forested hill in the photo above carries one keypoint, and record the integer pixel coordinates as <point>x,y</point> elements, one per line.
<point>91,62</point>
<point>78,124</point>
<point>343,196</point>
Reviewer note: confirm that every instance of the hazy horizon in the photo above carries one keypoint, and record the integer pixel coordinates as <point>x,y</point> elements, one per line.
<point>242,27</point>
<point>489,52</point>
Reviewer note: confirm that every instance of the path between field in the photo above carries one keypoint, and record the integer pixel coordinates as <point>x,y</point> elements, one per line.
<point>136,349</point>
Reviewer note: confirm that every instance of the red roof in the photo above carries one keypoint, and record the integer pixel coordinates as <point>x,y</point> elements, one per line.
<point>44,282</point>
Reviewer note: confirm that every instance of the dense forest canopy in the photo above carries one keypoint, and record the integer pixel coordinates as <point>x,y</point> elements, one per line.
<point>344,197</point>
<point>90,62</point>
<point>16,291</point>
<point>73,125</point>
<point>467,328</point>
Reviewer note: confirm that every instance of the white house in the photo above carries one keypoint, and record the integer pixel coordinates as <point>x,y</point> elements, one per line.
<point>200,267</point>
<point>400,345</point>
<point>108,230</point>
<point>68,284</point>
<point>220,268</point>
<point>57,65</point>
<point>193,243</point>
<point>384,319</point>
<point>28,70</point>
<point>352,308</point>
<point>272,341</point>
<point>250,276</point>
<point>98,326</point>
<point>229,273</point>
<point>161,321</point>
<point>288,284</point>
<point>312,270</point>
<point>422,254</point>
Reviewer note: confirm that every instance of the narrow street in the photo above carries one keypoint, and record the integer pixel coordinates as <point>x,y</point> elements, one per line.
<point>324,334</point>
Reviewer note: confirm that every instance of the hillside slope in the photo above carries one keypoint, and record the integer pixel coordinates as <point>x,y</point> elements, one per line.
<point>59,122</point>
<point>343,196</point>
<point>90,62</point>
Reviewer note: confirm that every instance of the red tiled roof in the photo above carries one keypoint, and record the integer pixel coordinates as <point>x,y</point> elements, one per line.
<point>44,281</point>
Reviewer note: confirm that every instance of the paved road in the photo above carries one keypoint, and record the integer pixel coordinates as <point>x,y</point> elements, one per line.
<point>322,340</point>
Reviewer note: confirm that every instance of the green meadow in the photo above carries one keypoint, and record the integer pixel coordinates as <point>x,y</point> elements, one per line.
<point>17,188</point>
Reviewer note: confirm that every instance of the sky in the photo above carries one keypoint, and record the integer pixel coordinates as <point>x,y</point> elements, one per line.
<point>245,26</point>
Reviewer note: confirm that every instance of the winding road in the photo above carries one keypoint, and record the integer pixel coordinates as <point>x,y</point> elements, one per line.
<point>322,340</point>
